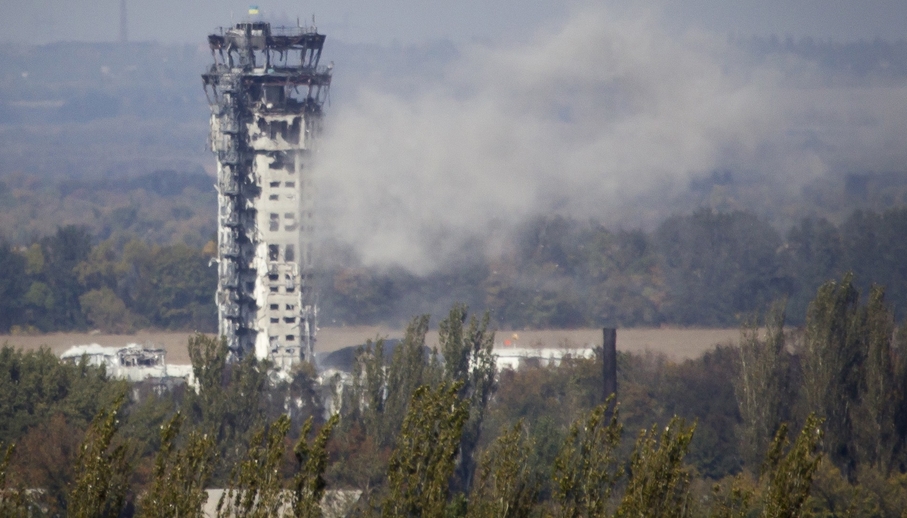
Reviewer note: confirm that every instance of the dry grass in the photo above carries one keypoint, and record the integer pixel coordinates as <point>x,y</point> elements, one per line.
<point>676,343</point>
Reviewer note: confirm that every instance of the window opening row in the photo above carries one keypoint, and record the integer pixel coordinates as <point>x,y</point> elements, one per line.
<point>278,252</point>
<point>289,220</point>
<point>288,131</point>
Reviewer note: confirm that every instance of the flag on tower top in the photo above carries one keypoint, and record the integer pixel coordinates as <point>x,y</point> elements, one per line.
<point>253,9</point>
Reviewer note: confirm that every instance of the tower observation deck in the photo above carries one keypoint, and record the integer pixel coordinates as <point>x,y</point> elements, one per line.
<point>266,90</point>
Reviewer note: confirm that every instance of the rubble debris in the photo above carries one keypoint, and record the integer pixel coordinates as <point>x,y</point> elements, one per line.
<point>134,362</point>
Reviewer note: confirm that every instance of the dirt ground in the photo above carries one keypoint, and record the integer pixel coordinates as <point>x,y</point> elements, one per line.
<point>677,343</point>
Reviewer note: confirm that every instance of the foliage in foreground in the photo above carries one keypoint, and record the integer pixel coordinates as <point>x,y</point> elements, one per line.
<point>13,501</point>
<point>586,469</point>
<point>180,475</point>
<point>506,485</point>
<point>415,412</point>
<point>421,466</point>
<point>103,469</point>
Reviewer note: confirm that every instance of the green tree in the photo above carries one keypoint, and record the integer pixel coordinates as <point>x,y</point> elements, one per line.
<point>63,251</point>
<point>362,446</point>
<point>659,483</point>
<point>789,477</point>
<point>812,255</point>
<point>183,281</point>
<point>832,365</point>
<point>422,463</point>
<point>875,435</point>
<point>105,311</point>
<point>312,461</point>
<point>852,376</point>
<point>178,487</point>
<point>13,501</point>
<point>701,388</point>
<point>256,487</point>
<point>39,302</point>
<point>101,268</point>
<point>36,385</point>
<point>102,475</point>
<point>299,396</point>
<point>412,365</point>
<point>169,286</point>
<point>377,401</point>
<point>761,386</point>
<point>34,260</point>
<point>229,403</point>
<point>586,469</point>
<point>718,266</point>
<point>468,360</point>
<point>13,286</point>
<point>734,499</point>
<point>620,281</point>
<point>382,390</point>
<point>873,246</point>
<point>506,486</point>
<point>135,281</point>
<point>366,396</point>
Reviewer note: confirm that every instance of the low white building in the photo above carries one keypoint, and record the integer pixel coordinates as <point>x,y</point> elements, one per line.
<point>133,362</point>
<point>515,357</point>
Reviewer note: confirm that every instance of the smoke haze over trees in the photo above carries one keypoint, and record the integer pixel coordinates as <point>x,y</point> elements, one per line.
<point>707,268</point>
<point>604,114</point>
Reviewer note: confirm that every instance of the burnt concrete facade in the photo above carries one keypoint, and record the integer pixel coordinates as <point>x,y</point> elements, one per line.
<point>266,90</point>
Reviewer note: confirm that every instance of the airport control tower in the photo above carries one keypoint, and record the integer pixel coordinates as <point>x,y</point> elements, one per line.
<point>266,90</point>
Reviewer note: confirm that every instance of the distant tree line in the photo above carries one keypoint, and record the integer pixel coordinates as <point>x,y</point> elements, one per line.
<point>707,268</point>
<point>160,207</point>
<point>67,282</point>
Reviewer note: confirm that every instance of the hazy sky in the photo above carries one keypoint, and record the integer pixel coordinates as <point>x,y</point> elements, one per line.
<point>409,21</point>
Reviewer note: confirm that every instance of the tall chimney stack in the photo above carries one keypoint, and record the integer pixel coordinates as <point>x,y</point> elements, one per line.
<point>609,365</point>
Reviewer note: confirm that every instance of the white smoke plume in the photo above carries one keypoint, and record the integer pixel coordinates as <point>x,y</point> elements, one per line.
<point>605,116</point>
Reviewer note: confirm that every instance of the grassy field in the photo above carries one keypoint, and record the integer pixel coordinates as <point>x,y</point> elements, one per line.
<point>676,343</point>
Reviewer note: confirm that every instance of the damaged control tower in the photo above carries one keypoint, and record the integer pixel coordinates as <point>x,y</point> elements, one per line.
<point>266,91</point>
